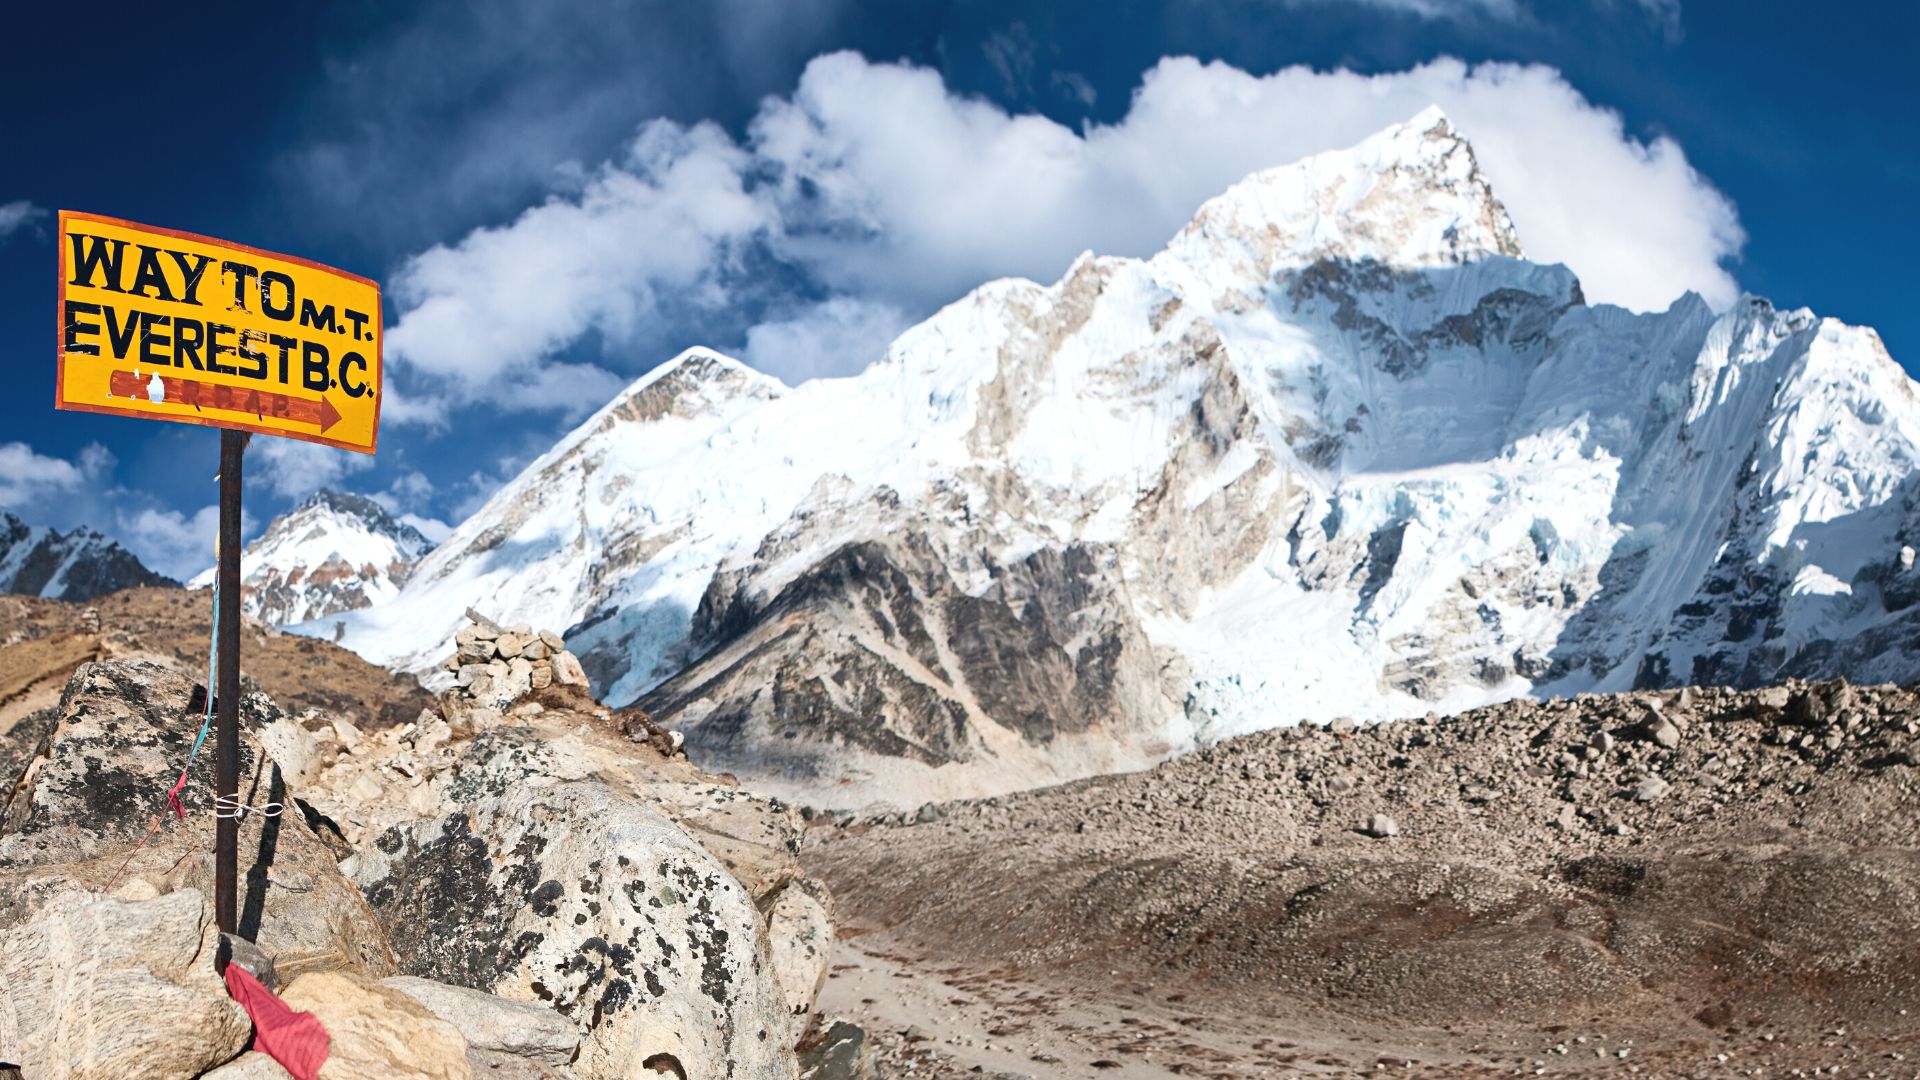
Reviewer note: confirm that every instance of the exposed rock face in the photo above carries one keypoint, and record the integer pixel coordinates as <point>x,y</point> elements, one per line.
<point>99,989</point>
<point>1338,450</point>
<point>876,650</point>
<point>334,552</point>
<point>78,565</point>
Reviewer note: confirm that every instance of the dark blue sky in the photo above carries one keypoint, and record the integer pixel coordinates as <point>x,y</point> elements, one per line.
<point>361,133</point>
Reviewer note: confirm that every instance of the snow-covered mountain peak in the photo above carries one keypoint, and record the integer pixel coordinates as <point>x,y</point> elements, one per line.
<point>695,382</point>
<point>334,552</point>
<point>1339,450</point>
<point>1411,196</point>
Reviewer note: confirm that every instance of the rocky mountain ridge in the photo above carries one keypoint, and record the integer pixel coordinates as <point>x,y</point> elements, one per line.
<point>77,565</point>
<point>1338,450</point>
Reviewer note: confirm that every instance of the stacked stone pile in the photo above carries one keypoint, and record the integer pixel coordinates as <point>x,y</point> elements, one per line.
<point>496,666</point>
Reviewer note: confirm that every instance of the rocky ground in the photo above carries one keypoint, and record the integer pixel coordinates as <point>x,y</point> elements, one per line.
<point>510,881</point>
<point>1693,883</point>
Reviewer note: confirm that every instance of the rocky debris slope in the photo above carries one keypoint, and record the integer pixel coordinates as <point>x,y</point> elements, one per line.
<point>1338,448</point>
<point>1700,872</point>
<point>77,565</point>
<point>534,890</point>
<point>42,642</point>
<point>333,552</point>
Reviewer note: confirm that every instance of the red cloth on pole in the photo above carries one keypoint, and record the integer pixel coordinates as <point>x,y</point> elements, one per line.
<point>294,1039</point>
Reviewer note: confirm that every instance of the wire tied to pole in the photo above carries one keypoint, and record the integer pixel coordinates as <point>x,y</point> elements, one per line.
<point>230,806</point>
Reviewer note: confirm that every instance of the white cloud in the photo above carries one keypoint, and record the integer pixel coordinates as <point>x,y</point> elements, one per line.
<point>18,215</point>
<point>58,493</point>
<point>435,530</point>
<point>295,469</point>
<point>1434,9</point>
<point>175,544</point>
<point>834,337</point>
<point>29,480</point>
<point>875,184</point>
<point>1664,15</point>
<point>409,490</point>
<point>660,225</point>
<point>1075,87</point>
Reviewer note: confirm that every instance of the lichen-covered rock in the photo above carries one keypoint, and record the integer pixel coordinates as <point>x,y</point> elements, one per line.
<point>571,893</point>
<point>99,989</point>
<point>375,1033</point>
<point>94,794</point>
<point>545,857</point>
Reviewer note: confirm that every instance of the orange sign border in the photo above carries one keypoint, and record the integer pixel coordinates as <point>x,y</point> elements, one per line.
<point>60,329</point>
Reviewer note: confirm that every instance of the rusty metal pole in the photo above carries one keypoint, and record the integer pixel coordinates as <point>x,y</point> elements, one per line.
<point>226,782</point>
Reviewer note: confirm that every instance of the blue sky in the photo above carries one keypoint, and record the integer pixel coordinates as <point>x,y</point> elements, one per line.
<point>557,197</point>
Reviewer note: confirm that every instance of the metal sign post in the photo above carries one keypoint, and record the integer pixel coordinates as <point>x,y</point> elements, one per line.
<point>226,764</point>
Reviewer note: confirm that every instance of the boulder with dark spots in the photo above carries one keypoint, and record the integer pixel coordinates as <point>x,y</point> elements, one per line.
<point>548,858</point>
<point>586,899</point>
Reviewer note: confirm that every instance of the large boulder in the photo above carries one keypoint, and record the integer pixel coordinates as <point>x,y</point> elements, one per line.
<point>101,988</point>
<point>415,780</point>
<point>374,1033</point>
<point>91,797</point>
<point>549,858</point>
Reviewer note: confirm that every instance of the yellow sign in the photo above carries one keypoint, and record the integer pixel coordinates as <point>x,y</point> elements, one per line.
<point>173,326</point>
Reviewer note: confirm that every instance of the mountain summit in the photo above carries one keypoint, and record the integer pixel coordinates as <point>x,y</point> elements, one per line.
<point>333,552</point>
<point>1338,450</point>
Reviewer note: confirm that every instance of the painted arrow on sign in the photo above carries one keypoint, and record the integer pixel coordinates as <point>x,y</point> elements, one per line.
<point>158,389</point>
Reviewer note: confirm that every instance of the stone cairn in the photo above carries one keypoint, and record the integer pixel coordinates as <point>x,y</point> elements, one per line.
<point>495,666</point>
